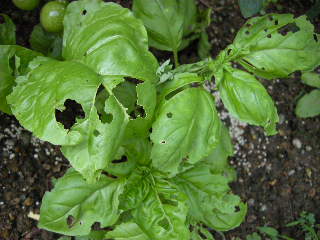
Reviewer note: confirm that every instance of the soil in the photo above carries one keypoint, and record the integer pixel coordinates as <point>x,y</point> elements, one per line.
<point>278,176</point>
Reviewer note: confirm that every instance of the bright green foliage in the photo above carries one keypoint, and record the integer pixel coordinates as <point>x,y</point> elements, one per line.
<point>149,153</point>
<point>51,16</point>
<point>49,44</point>
<point>7,30</point>
<point>311,79</point>
<point>246,99</point>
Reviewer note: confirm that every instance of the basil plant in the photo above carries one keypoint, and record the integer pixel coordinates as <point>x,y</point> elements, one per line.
<point>148,152</point>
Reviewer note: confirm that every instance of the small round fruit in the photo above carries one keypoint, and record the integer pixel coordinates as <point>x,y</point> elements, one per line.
<point>51,16</point>
<point>26,4</point>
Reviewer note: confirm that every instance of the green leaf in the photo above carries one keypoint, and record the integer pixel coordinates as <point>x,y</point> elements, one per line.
<point>127,95</point>
<point>204,46</point>
<point>74,205</point>
<point>218,208</point>
<point>127,231</point>
<point>276,45</point>
<point>311,78</point>
<point>250,7</point>
<point>309,105</point>
<point>7,31</point>
<point>253,236</point>
<point>270,231</point>
<point>13,62</point>
<point>108,39</point>
<point>185,130</point>
<point>50,44</point>
<point>217,160</point>
<point>90,144</point>
<point>166,21</point>
<point>162,214</point>
<point>200,233</point>
<point>247,100</point>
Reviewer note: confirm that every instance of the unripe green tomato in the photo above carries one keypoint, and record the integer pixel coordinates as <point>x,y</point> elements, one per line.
<point>51,16</point>
<point>26,4</point>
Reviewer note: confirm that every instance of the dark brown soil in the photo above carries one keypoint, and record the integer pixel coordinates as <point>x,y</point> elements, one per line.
<point>278,176</point>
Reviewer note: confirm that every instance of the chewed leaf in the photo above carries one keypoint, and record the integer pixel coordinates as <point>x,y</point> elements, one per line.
<point>276,45</point>
<point>41,102</point>
<point>246,99</point>
<point>42,91</point>
<point>13,62</point>
<point>7,30</point>
<point>108,39</point>
<point>185,131</point>
<point>74,205</point>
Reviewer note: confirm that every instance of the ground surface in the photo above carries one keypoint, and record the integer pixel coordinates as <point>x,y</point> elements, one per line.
<point>278,176</point>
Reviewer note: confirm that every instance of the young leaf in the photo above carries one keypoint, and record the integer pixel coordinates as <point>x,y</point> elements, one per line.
<point>276,45</point>
<point>250,7</point>
<point>74,205</point>
<point>7,30</point>
<point>50,44</point>
<point>246,99</point>
<point>13,62</point>
<point>218,208</point>
<point>269,231</point>
<point>108,39</point>
<point>311,78</point>
<point>166,21</point>
<point>204,46</point>
<point>162,214</point>
<point>185,130</point>
<point>309,105</point>
<point>127,231</point>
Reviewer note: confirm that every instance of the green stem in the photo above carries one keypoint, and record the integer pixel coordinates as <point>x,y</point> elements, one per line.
<point>176,58</point>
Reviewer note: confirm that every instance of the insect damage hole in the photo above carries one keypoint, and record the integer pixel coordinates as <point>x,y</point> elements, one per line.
<point>291,27</point>
<point>163,142</point>
<point>70,114</point>
<point>315,37</point>
<point>109,175</point>
<point>121,160</point>
<point>71,221</point>
<point>84,12</point>
<point>169,115</point>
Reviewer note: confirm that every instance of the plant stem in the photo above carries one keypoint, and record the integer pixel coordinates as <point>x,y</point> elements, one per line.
<point>176,58</point>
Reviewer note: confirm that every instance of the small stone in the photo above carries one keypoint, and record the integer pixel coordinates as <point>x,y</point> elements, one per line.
<point>308,148</point>
<point>263,208</point>
<point>291,172</point>
<point>297,143</point>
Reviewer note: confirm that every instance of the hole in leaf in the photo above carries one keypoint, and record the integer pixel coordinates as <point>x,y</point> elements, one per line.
<point>150,130</point>
<point>315,37</point>
<point>96,133</point>
<point>97,227</point>
<point>291,27</point>
<point>70,114</point>
<point>169,115</point>
<point>71,221</point>
<point>229,51</point>
<point>266,30</point>
<point>84,12</point>
<point>108,174</point>
<point>269,35</point>
<point>133,80</point>
<point>276,22</point>
<point>138,112</point>
<point>247,32</point>
<point>164,223</point>
<point>121,160</point>
<point>237,208</point>
<point>2,20</point>
<point>163,142</point>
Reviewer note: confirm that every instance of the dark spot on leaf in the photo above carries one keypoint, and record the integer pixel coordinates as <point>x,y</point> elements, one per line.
<point>237,208</point>
<point>169,115</point>
<point>266,30</point>
<point>2,20</point>
<point>121,160</point>
<point>263,68</point>
<point>163,142</point>
<point>291,27</point>
<point>133,80</point>
<point>276,22</point>
<point>84,12</point>
<point>315,37</point>
<point>150,130</point>
<point>81,222</point>
<point>248,25</point>
<point>247,32</point>
<point>108,174</point>
<point>164,223</point>
<point>96,133</point>
<point>269,35</point>
<point>72,112</point>
<point>71,221</point>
